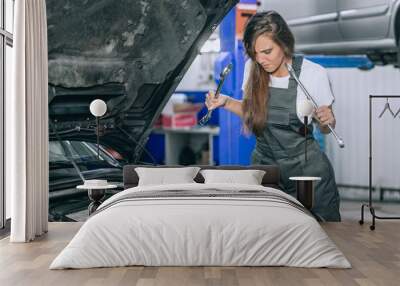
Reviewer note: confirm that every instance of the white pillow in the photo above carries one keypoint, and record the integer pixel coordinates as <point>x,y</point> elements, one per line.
<point>166,176</point>
<point>249,177</point>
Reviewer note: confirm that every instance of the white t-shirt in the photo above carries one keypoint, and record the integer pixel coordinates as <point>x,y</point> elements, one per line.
<point>314,78</point>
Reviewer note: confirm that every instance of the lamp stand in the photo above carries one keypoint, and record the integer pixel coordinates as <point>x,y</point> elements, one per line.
<point>97,134</point>
<point>98,108</point>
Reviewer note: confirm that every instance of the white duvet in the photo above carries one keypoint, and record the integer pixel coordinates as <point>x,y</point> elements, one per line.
<point>182,231</point>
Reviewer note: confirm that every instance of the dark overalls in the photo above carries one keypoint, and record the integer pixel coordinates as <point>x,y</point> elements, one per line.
<point>282,144</point>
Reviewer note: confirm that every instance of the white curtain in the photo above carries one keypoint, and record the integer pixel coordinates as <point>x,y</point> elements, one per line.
<point>27,124</point>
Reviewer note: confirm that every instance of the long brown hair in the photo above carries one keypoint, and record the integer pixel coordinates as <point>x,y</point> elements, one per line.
<point>256,95</point>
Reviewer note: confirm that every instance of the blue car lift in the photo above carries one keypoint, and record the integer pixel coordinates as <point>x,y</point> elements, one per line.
<point>234,146</point>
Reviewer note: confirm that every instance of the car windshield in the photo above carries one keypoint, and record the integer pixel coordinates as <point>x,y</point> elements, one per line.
<point>79,152</point>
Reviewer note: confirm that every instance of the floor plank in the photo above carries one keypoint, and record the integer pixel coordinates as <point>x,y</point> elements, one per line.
<point>375,257</point>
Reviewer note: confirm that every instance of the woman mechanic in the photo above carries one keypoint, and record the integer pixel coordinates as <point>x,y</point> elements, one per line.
<point>269,109</point>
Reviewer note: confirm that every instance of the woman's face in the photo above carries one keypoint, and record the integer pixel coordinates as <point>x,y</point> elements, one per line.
<point>268,53</point>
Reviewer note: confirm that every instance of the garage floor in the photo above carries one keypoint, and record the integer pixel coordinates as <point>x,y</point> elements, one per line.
<point>351,210</point>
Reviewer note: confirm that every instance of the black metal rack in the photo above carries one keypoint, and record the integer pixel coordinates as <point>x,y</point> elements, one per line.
<point>369,205</point>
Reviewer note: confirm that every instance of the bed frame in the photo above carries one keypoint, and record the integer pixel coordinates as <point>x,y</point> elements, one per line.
<point>270,179</point>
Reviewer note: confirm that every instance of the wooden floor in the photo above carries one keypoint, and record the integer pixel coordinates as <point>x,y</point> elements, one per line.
<point>374,255</point>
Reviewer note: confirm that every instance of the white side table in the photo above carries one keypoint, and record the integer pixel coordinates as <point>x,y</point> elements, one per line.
<point>96,194</point>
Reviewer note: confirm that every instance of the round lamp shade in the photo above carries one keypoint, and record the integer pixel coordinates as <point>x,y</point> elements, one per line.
<point>98,107</point>
<point>305,107</point>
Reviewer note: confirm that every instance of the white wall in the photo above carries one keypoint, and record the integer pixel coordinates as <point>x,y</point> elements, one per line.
<point>200,75</point>
<point>352,88</point>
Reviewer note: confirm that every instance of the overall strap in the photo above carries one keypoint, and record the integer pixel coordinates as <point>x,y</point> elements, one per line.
<point>296,65</point>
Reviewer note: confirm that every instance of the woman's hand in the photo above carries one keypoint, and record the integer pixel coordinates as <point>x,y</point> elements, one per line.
<point>325,117</point>
<point>213,103</point>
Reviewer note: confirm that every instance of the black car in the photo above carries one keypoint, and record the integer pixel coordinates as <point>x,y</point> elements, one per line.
<point>131,54</point>
<point>72,162</point>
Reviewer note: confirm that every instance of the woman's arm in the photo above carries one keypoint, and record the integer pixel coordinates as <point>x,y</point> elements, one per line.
<point>224,101</point>
<point>234,105</point>
<point>324,116</point>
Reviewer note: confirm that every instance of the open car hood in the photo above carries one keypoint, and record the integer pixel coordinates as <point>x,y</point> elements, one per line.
<point>132,54</point>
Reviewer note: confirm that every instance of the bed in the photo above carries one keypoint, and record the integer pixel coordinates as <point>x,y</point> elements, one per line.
<point>201,224</point>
